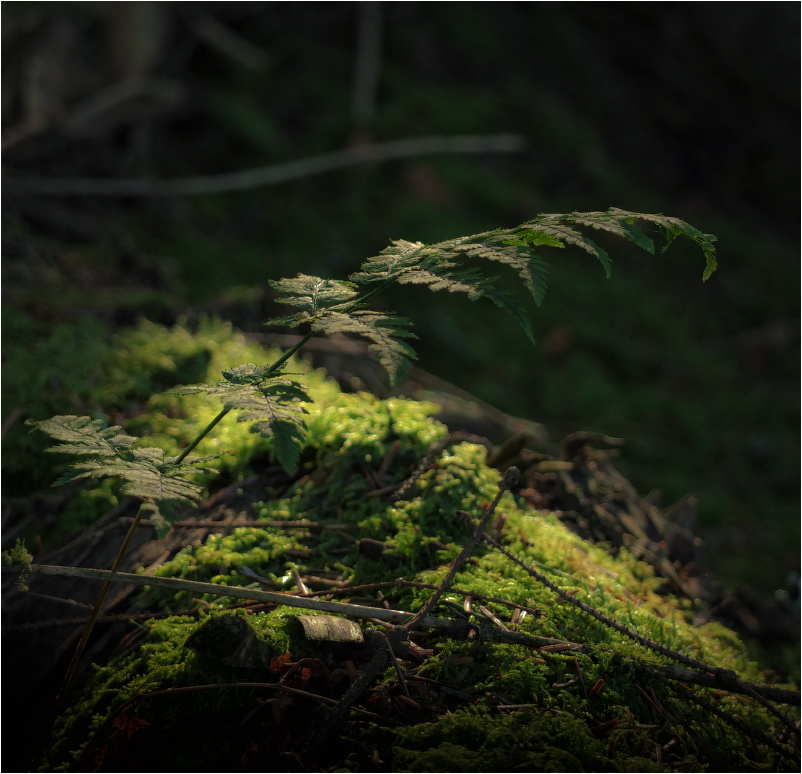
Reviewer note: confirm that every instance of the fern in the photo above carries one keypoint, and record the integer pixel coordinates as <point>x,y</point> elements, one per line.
<point>263,395</point>
<point>148,475</point>
<point>386,333</point>
<point>272,403</point>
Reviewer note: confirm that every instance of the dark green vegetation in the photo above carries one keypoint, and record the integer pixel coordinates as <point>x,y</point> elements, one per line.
<point>585,709</point>
<point>686,109</point>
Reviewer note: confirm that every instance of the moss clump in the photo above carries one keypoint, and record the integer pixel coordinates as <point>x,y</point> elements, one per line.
<point>566,725</point>
<point>478,739</point>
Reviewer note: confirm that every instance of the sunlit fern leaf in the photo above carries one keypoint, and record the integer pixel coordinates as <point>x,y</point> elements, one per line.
<point>84,435</point>
<point>390,262</point>
<point>514,253</point>
<point>552,225</point>
<point>384,331</point>
<point>313,293</point>
<point>144,479</point>
<point>614,224</point>
<point>446,275</point>
<point>148,475</point>
<point>274,404</point>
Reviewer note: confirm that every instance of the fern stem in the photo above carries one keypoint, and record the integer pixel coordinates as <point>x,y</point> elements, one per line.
<point>68,678</point>
<point>200,436</point>
<point>288,354</point>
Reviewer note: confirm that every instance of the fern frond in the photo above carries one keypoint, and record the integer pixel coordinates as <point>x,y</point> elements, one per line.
<point>518,255</point>
<point>155,479</point>
<point>84,435</point>
<point>390,262</point>
<point>673,228</point>
<point>446,275</point>
<point>384,331</point>
<point>312,295</point>
<point>146,477</point>
<point>618,224</point>
<point>273,404</point>
<point>553,226</point>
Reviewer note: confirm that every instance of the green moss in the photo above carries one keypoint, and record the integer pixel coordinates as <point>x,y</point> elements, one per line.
<point>618,730</point>
<point>349,438</point>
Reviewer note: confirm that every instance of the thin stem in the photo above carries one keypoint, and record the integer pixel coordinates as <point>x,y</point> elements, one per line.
<point>198,438</point>
<point>288,354</point>
<point>469,547</point>
<point>272,369</point>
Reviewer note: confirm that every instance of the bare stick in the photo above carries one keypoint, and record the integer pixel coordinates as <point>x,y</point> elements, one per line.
<point>248,179</point>
<point>733,721</point>
<point>467,550</point>
<point>725,678</point>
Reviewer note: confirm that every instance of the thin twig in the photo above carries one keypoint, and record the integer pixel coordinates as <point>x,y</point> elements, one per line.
<point>450,627</point>
<point>733,721</point>
<point>435,450</point>
<point>645,641</point>
<point>467,550</point>
<point>248,179</point>
<point>374,667</point>
<point>724,678</point>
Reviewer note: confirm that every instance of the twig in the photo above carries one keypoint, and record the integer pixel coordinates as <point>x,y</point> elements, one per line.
<point>450,627</point>
<point>733,721</point>
<point>248,179</point>
<point>724,678</point>
<point>645,641</point>
<point>435,450</point>
<point>467,550</point>
<point>375,666</point>
<point>229,43</point>
<point>398,669</point>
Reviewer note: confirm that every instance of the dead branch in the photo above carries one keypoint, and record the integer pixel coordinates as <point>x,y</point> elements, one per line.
<point>248,179</point>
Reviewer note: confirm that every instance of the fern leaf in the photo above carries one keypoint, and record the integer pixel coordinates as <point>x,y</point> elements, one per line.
<point>390,262</point>
<point>531,268</point>
<point>384,331</point>
<point>144,479</point>
<point>148,475</point>
<point>441,274</point>
<point>84,435</point>
<point>552,225</point>
<point>274,404</point>
<point>613,223</point>
<point>313,294</point>
<point>673,228</point>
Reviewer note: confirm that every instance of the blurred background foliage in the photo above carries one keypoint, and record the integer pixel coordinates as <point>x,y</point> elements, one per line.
<point>690,109</point>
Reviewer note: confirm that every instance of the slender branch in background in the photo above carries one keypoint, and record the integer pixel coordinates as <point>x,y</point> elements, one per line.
<point>734,721</point>
<point>269,175</point>
<point>368,63</point>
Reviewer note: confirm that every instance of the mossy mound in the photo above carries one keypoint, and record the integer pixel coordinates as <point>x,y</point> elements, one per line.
<point>590,709</point>
<point>570,710</point>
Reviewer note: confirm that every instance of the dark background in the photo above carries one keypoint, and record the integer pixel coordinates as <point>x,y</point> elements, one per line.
<point>690,109</point>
